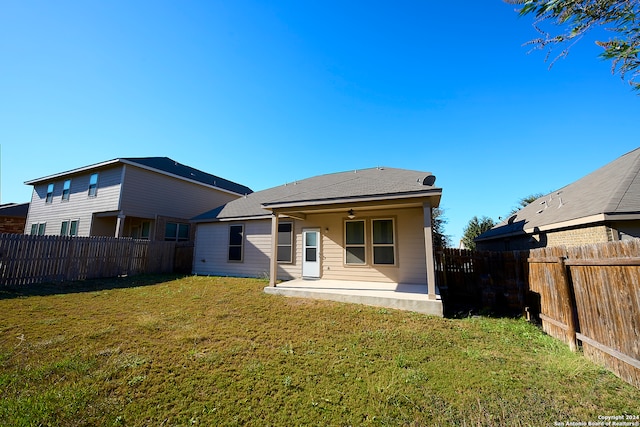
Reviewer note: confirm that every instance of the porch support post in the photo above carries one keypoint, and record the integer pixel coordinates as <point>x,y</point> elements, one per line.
<point>120,225</point>
<point>273,267</point>
<point>428,250</point>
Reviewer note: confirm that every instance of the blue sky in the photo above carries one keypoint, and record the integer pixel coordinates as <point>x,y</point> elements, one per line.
<point>267,92</point>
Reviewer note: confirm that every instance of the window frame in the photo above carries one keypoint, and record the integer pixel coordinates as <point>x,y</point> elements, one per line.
<point>50,189</point>
<point>66,190</point>
<point>93,186</point>
<point>289,245</point>
<point>69,227</point>
<point>362,245</point>
<point>145,234</point>
<point>391,245</point>
<point>235,245</point>
<point>40,228</point>
<point>177,236</point>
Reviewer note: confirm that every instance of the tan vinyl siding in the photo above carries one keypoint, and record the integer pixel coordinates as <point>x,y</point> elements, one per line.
<point>147,193</point>
<point>212,245</point>
<point>211,250</point>
<point>79,206</point>
<point>410,264</point>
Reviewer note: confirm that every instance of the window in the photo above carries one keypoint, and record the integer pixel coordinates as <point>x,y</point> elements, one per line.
<point>354,243</point>
<point>383,241</point>
<point>49,198</point>
<point>236,241</point>
<point>38,229</point>
<point>66,190</point>
<point>142,231</point>
<point>73,231</point>
<point>145,230</point>
<point>69,228</point>
<point>285,242</point>
<point>177,232</point>
<point>93,185</point>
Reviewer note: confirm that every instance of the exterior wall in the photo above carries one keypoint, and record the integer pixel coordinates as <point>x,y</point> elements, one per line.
<point>211,249</point>
<point>599,233</point>
<point>579,236</point>
<point>146,194</point>
<point>104,226</point>
<point>212,239</point>
<point>79,206</point>
<point>410,265</point>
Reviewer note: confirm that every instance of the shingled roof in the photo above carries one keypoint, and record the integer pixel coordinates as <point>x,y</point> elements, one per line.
<point>610,191</point>
<point>163,165</point>
<point>372,184</point>
<point>18,210</point>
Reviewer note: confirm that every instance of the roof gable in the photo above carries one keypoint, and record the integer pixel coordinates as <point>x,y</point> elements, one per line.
<point>613,189</point>
<point>331,188</point>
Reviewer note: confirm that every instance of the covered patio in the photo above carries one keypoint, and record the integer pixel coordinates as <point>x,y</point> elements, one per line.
<point>409,297</point>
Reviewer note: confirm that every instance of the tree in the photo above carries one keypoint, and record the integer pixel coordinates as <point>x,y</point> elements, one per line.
<point>525,201</point>
<point>440,240</point>
<point>575,18</point>
<point>474,228</point>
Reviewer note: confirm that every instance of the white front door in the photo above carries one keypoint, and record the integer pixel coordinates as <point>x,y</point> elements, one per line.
<point>311,253</point>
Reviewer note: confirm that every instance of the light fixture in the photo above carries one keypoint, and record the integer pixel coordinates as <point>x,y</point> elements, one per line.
<point>351,215</point>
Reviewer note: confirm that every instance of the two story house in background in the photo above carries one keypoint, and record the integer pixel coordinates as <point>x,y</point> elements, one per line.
<point>146,198</point>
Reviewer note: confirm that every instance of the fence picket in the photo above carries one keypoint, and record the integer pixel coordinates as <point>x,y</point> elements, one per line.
<point>26,259</point>
<point>605,279</point>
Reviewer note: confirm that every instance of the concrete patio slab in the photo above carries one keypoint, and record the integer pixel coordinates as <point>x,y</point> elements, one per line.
<point>390,295</point>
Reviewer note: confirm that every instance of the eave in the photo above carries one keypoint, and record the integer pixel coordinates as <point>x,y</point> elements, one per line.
<point>356,201</point>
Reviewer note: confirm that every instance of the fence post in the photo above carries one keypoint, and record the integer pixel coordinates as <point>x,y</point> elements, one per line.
<point>567,302</point>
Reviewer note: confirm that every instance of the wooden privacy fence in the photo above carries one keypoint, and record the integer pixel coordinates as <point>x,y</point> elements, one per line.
<point>496,281</point>
<point>591,295</point>
<point>28,259</point>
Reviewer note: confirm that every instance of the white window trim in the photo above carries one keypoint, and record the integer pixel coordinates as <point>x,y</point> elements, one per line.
<point>363,245</point>
<point>50,193</point>
<point>95,188</point>
<point>68,193</point>
<point>69,224</point>
<point>383,245</point>
<point>37,227</point>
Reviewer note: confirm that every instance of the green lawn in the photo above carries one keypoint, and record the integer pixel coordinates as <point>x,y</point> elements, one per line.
<point>166,351</point>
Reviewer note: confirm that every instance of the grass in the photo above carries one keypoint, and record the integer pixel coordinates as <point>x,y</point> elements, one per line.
<point>167,351</point>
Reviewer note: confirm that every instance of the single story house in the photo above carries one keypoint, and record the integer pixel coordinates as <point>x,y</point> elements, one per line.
<point>370,225</point>
<point>601,207</point>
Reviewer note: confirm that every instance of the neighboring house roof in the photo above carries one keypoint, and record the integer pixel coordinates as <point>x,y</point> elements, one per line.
<point>358,185</point>
<point>164,165</point>
<point>609,193</point>
<point>14,209</point>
